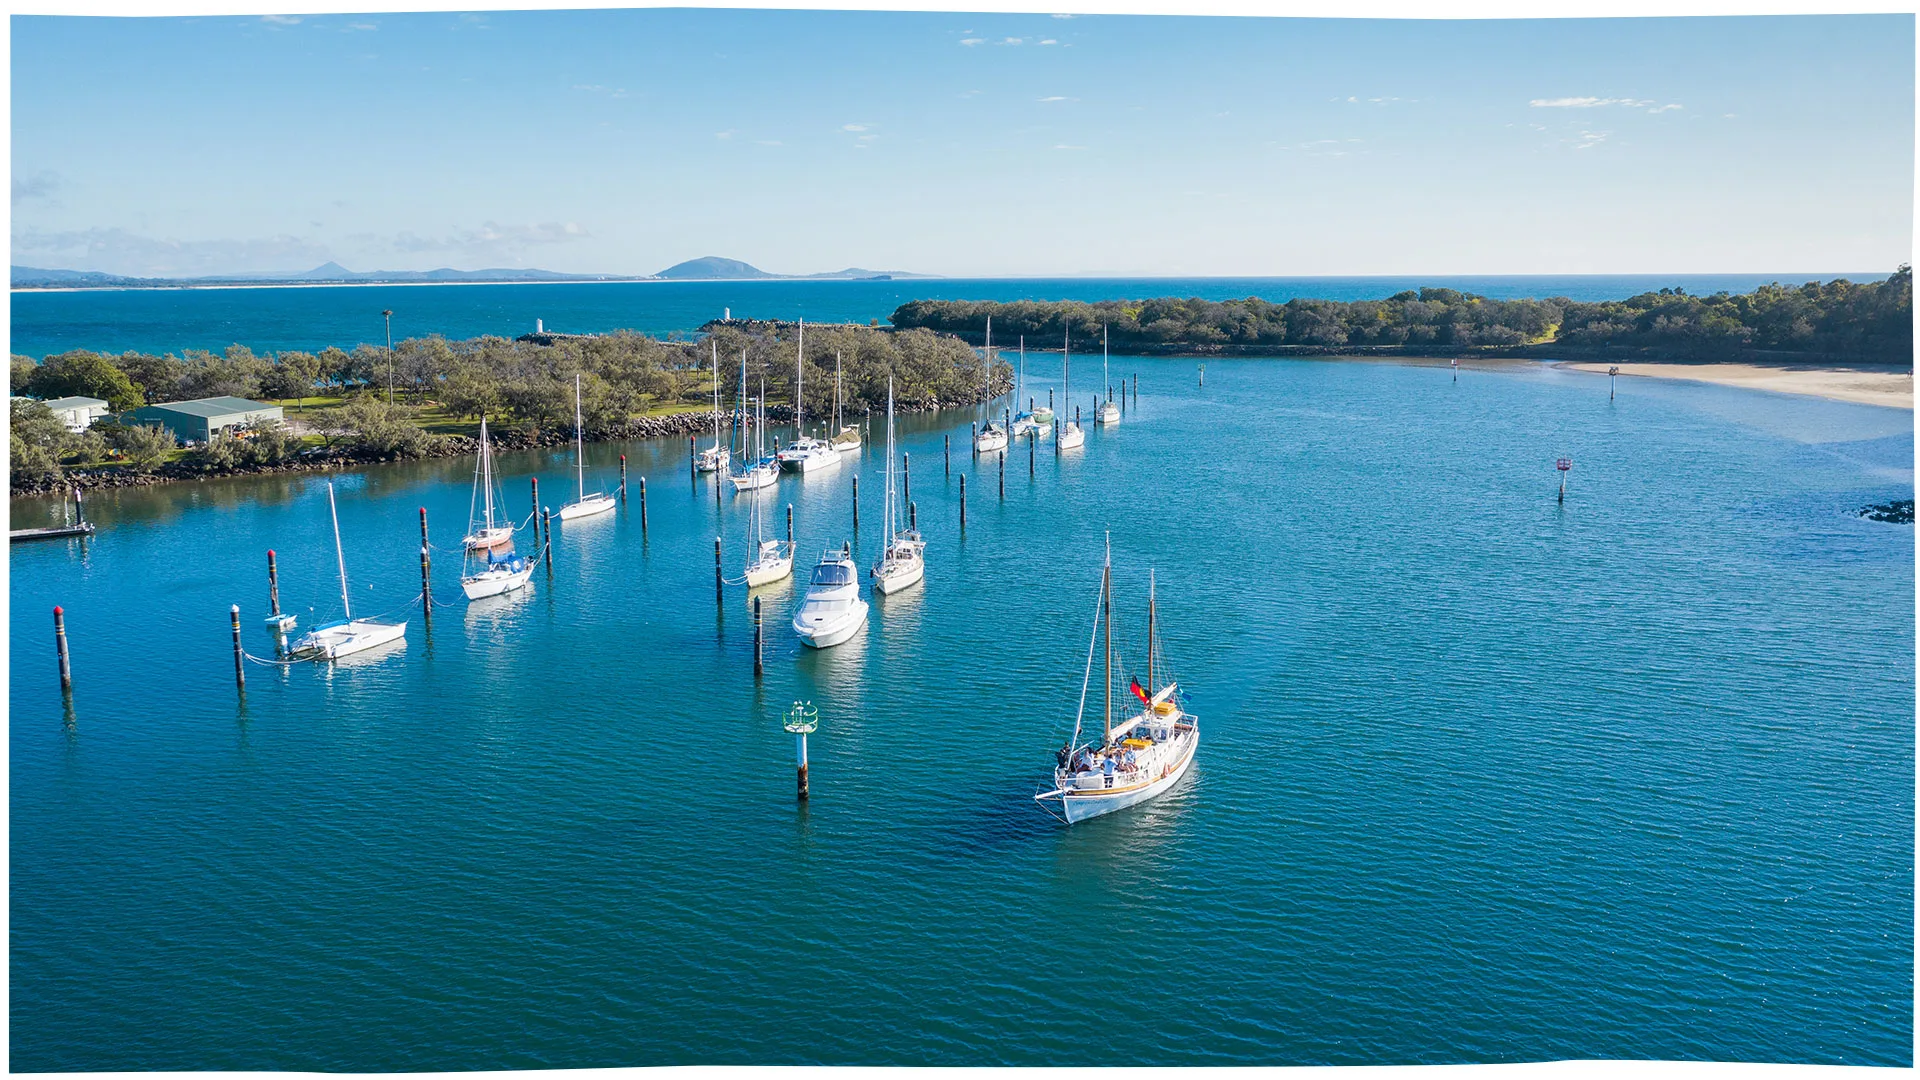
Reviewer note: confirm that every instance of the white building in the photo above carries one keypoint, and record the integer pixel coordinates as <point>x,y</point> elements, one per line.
<point>78,413</point>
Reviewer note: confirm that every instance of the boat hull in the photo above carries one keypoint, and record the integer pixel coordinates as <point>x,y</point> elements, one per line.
<point>590,506</point>
<point>1071,437</point>
<point>754,479</point>
<point>494,582</point>
<point>1108,414</point>
<point>1081,805</point>
<point>827,635</point>
<point>345,639</point>
<point>809,462</point>
<point>767,572</point>
<point>711,460</point>
<point>485,539</point>
<point>987,444</point>
<point>906,574</point>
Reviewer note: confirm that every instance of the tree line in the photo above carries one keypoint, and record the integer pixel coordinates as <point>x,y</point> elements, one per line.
<point>377,399</point>
<point>1869,321</point>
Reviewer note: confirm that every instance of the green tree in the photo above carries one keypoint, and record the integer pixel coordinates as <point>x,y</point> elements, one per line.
<point>85,374</point>
<point>291,376</point>
<point>23,368</point>
<point>143,447</point>
<point>35,436</point>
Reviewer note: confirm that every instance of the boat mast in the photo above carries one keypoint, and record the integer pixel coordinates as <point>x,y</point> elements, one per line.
<point>1106,588</point>
<point>986,379</point>
<point>799,373</point>
<point>1066,365</point>
<point>716,398</point>
<point>1108,379</point>
<point>887,515</point>
<point>1021,390</point>
<point>338,555</point>
<point>579,441</point>
<point>836,391</point>
<point>486,470</point>
<point>1150,690</point>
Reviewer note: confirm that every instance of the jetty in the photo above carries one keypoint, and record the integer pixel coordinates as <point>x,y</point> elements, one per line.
<point>53,532</point>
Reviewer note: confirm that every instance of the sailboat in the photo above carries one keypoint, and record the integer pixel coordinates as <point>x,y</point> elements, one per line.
<point>501,571</point>
<point>766,467</point>
<point>848,439</point>
<point>833,610</point>
<point>990,437</point>
<point>1027,422</point>
<point>903,561</point>
<point>804,454</point>
<point>486,533</point>
<point>587,505</point>
<point>768,560</point>
<point>1136,759</point>
<point>716,457</point>
<point>349,635</point>
<point>1107,413</point>
<point>1071,433</point>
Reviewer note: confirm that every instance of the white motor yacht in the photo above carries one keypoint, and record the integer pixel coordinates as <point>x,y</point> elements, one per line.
<point>833,610</point>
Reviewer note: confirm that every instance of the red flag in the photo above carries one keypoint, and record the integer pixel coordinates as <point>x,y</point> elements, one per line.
<point>1141,694</point>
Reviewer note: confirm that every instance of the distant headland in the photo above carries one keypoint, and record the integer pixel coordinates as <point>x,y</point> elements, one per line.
<point>707,268</point>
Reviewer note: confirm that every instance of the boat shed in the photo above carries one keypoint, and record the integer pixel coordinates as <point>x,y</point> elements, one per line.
<point>78,413</point>
<point>200,420</point>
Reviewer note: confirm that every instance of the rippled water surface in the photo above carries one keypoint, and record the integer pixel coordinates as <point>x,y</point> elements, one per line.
<point>1485,777</point>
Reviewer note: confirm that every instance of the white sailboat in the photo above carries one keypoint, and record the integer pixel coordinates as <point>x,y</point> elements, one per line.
<point>587,505</point>
<point>1108,413</point>
<point>501,571</point>
<point>804,454</point>
<point>715,458</point>
<point>903,561</point>
<point>349,635</point>
<point>768,561</point>
<point>848,439</point>
<point>485,533</point>
<point>833,610</point>
<point>1028,422</point>
<point>765,468</point>
<point>1136,759</point>
<point>1071,433</point>
<point>990,437</point>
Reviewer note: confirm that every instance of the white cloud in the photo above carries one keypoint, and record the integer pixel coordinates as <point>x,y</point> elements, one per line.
<point>725,135</point>
<point>854,127</point>
<point>1664,108</point>
<point>1010,41</point>
<point>1063,16</point>
<point>38,186</point>
<point>1056,97</point>
<point>281,20</point>
<point>1064,146</point>
<point>492,238</point>
<point>1048,41</point>
<point>119,251</point>
<point>1591,138</point>
<point>1584,102</point>
<point>972,41</point>
<point>362,26</point>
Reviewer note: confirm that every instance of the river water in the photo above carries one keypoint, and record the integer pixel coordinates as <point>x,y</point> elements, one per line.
<point>1484,776</point>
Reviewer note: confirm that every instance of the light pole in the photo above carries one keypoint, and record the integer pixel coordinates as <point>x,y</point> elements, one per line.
<point>388,315</point>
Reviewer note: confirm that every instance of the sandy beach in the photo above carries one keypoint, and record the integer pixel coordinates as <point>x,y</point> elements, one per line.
<point>1886,386</point>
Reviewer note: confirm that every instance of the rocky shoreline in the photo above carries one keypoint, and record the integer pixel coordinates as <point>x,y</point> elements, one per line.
<point>324,459</point>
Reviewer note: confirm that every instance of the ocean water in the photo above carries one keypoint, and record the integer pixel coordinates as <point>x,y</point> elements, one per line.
<point>1484,776</point>
<point>277,319</point>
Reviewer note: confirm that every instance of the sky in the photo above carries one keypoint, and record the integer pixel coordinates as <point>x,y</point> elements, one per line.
<point>983,145</point>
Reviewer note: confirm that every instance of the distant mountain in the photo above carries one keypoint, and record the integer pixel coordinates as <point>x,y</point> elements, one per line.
<point>712,268</point>
<point>33,277</point>
<point>715,268</point>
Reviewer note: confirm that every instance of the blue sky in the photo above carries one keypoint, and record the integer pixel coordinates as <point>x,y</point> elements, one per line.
<point>978,145</point>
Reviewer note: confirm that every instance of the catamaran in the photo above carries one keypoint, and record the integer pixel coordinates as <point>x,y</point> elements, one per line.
<point>1028,422</point>
<point>848,439</point>
<point>768,561</point>
<point>805,454</point>
<point>766,467</point>
<point>587,505</point>
<point>833,610</point>
<point>1071,433</point>
<point>716,457</point>
<point>903,562</point>
<point>486,534</point>
<point>1107,413</point>
<point>349,635</point>
<point>989,438</point>
<point>1136,759</point>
